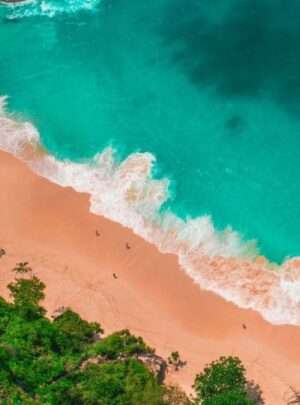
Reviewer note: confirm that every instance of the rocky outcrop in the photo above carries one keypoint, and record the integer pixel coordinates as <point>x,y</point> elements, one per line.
<point>59,311</point>
<point>156,364</point>
<point>93,360</point>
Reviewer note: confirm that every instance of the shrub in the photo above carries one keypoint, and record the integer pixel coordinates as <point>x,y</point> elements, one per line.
<point>117,383</point>
<point>26,295</point>
<point>79,331</point>
<point>121,344</point>
<point>174,360</point>
<point>53,362</point>
<point>223,382</point>
<point>175,396</point>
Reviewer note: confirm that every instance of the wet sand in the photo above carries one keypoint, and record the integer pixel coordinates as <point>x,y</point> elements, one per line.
<point>108,274</point>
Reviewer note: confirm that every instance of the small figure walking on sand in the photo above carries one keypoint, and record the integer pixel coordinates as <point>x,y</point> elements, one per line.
<point>115,276</point>
<point>128,246</point>
<point>2,252</point>
<point>244,326</point>
<point>97,232</point>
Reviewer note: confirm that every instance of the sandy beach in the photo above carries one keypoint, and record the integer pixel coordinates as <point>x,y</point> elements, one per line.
<point>76,254</point>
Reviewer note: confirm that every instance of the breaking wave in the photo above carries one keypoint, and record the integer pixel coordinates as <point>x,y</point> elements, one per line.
<point>127,193</point>
<point>48,8</point>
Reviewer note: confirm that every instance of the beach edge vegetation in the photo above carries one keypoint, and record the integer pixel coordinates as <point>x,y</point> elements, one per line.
<point>67,360</point>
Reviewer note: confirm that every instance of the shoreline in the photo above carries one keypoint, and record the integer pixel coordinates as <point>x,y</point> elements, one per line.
<point>51,228</point>
<point>123,192</point>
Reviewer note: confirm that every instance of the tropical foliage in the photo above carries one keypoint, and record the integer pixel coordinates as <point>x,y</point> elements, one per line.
<point>223,382</point>
<point>67,361</point>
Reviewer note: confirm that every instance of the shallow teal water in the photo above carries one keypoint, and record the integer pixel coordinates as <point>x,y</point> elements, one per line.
<point>211,88</point>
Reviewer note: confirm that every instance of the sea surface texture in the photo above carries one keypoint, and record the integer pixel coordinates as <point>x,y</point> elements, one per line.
<point>181,118</point>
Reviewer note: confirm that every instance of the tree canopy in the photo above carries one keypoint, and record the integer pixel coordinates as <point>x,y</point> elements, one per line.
<point>68,361</point>
<point>222,382</point>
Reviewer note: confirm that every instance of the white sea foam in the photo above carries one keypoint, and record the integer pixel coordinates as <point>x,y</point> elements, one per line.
<point>126,192</point>
<point>48,8</point>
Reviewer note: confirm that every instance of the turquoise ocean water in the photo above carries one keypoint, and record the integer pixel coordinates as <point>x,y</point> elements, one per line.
<point>211,88</point>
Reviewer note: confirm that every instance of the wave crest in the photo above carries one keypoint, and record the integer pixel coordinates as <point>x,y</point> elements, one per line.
<point>48,8</point>
<point>127,193</point>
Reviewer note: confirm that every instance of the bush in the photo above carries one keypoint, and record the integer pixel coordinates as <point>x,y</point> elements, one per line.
<point>26,295</point>
<point>121,344</point>
<point>79,331</point>
<point>175,362</point>
<point>175,396</point>
<point>61,363</point>
<point>114,383</point>
<point>223,382</point>
<point>53,362</point>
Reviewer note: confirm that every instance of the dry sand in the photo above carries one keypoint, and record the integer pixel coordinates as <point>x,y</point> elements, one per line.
<point>51,228</point>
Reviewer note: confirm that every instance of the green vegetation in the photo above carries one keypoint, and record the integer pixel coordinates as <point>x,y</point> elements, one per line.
<point>78,331</point>
<point>223,382</point>
<point>26,295</point>
<point>175,362</point>
<point>66,361</point>
<point>120,344</point>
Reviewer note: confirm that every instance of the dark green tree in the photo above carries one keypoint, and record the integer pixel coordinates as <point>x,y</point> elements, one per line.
<point>79,331</point>
<point>26,295</point>
<point>222,382</point>
<point>126,382</point>
<point>121,344</point>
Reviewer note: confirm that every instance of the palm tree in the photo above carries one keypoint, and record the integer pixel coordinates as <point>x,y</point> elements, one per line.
<point>22,268</point>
